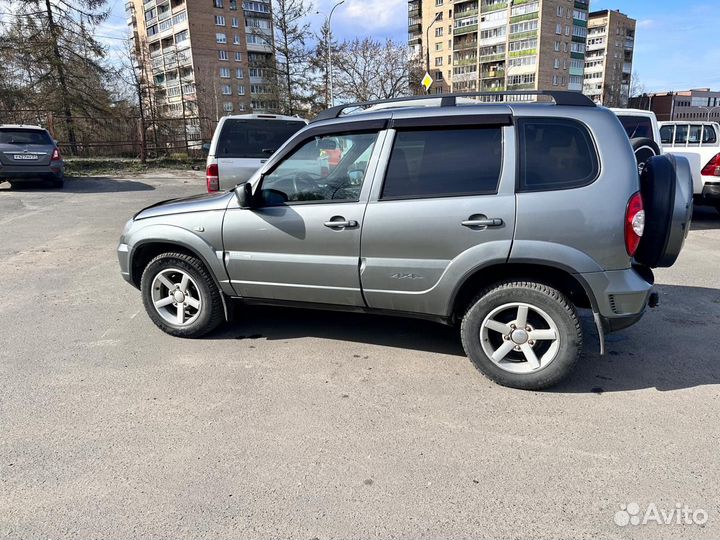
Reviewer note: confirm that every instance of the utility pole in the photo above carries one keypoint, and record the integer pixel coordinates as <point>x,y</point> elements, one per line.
<point>328,47</point>
<point>427,41</point>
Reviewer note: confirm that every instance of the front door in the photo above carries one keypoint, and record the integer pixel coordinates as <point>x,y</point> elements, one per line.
<point>302,240</point>
<point>446,207</point>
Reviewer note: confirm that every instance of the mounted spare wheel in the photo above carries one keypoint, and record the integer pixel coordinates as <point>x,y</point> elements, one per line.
<point>644,149</point>
<point>667,193</point>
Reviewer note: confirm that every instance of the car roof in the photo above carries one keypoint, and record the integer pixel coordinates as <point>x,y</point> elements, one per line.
<point>261,116</point>
<point>22,126</point>
<point>634,112</point>
<point>686,122</point>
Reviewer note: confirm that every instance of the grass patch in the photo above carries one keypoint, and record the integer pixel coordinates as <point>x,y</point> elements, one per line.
<point>122,166</point>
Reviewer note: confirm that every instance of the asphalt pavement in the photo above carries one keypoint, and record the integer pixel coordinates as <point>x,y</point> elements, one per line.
<point>305,424</point>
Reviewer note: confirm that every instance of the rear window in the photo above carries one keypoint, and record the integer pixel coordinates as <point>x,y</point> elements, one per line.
<point>709,135</point>
<point>555,153</point>
<point>637,126</point>
<point>254,138</point>
<point>24,136</point>
<point>444,163</point>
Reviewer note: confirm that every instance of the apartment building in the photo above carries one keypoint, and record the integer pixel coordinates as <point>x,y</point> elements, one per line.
<point>204,58</point>
<point>698,104</point>
<point>495,45</point>
<point>609,58</point>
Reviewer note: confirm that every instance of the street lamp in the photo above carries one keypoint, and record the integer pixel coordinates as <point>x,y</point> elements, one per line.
<point>710,111</point>
<point>427,39</point>
<point>329,53</point>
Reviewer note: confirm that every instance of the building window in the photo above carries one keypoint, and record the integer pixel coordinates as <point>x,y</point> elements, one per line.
<point>225,73</point>
<point>556,65</point>
<point>181,36</point>
<point>218,3</point>
<point>558,29</point>
<point>233,5</point>
<point>239,73</point>
<point>226,90</point>
<point>228,106</point>
<point>439,32</point>
<point>220,38</point>
<point>241,89</point>
<point>236,40</point>
<point>235,22</point>
<point>219,20</point>
<point>238,56</point>
<point>222,55</point>
<point>439,61</point>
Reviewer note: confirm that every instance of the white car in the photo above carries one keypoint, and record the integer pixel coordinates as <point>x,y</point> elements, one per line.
<point>699,142</point>
<point>643,130</point>
<point>242,143</point>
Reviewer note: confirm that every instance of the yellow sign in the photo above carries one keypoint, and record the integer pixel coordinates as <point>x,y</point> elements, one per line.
<point>427,81</point>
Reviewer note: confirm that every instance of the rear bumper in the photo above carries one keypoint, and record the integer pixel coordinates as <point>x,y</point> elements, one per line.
<point>711,190</point>
<point>621,296</point>
<point>28,172</point>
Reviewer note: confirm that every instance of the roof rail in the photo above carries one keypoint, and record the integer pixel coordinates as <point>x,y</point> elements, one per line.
<point>560,97</point>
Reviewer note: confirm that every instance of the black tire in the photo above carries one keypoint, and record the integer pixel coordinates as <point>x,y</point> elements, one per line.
<point>537,295</point>
<point>210,315</point>
<point>644,149</point>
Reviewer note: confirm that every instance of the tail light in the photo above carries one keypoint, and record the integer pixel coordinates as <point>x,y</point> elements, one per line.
<point>634,224</point>
<point>56,155</point>
<point>213,179</point>
<point>712,168</point>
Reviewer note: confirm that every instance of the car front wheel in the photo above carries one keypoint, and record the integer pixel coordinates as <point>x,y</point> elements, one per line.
<point>180,295</point>
<point>523,335</point>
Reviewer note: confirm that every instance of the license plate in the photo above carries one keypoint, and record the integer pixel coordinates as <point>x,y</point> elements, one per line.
<point>28,157</point>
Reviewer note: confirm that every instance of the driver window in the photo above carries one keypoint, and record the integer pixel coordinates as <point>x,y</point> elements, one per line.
<point>328,168</point>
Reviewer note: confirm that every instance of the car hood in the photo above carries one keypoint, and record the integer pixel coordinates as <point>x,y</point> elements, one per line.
<point>195,203</point>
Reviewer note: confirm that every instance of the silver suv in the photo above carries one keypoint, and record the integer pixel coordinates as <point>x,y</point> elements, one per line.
<point>504,217</point>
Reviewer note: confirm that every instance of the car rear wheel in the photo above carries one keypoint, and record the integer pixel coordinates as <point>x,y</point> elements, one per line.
<point>180,296</point>
<point>523,335</point>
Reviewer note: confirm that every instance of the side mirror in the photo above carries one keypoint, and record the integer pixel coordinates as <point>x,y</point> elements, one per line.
<point>244,195</point>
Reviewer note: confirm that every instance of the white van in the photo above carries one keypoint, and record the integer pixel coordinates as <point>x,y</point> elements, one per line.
<point>700,143</point>
<point>242,143</point>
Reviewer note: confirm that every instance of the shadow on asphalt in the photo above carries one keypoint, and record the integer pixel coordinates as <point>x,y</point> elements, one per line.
<point>94,184</point>
<point>705,218</point>
<point>671,348</point>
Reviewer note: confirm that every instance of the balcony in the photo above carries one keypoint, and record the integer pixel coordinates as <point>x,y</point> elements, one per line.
<point>465,61</point>
<point>486,7</point>
<point>466,29</point>
<point>493,74</point>
<point>466,13</point>
<point>498,57</point>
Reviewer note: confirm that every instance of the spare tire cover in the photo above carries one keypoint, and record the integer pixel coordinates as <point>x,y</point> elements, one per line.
<point>666,188</point>
<point>644,149</point>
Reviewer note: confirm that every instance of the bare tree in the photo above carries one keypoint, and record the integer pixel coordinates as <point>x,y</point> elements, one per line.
<point>637,88</point>
<point>368,69</point>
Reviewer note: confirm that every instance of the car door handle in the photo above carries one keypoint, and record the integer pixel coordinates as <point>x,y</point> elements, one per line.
<point>484,222</point>
<point>348,224</point>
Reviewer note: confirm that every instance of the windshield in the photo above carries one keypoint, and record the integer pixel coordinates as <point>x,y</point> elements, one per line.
<point>24,136</point>
<point>254,138</point>
<point>637,126</point>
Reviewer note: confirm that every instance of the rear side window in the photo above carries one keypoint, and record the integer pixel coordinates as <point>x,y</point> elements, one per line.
<point>637,126</point>
<point>666,134</point>
<point>254,138</point>
<point>444,163</point>
<point>709,135</point>
<point>24,136</point>
<point>694,134</point>
<point>555,153</point>
<point>681,134</point>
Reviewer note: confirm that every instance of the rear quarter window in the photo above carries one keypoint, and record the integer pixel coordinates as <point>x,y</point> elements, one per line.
<point>666,134</point>
<point>637,126</point>
<point>555,153</point>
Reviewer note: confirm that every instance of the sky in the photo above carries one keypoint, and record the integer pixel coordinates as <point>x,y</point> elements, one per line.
<point>676,45</point>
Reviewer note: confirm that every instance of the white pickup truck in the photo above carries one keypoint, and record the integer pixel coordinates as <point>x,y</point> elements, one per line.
<point>699,142</point>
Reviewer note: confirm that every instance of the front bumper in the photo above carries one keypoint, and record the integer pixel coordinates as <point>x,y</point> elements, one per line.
<point>621,296</point>
<point>123,254</point>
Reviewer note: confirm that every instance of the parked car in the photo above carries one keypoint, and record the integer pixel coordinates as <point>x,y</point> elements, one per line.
<point>643,130</point>
<point>699,142</point>
<point>504,218</point>
<point>242,143</point>
<point>29,153</point>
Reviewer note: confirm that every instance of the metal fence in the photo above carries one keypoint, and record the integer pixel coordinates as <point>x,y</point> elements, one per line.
<point>118,136</point>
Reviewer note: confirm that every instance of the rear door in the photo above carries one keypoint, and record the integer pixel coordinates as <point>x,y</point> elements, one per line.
<point>30,147</point>
<point>446,206</point>
<point>244,145</point>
